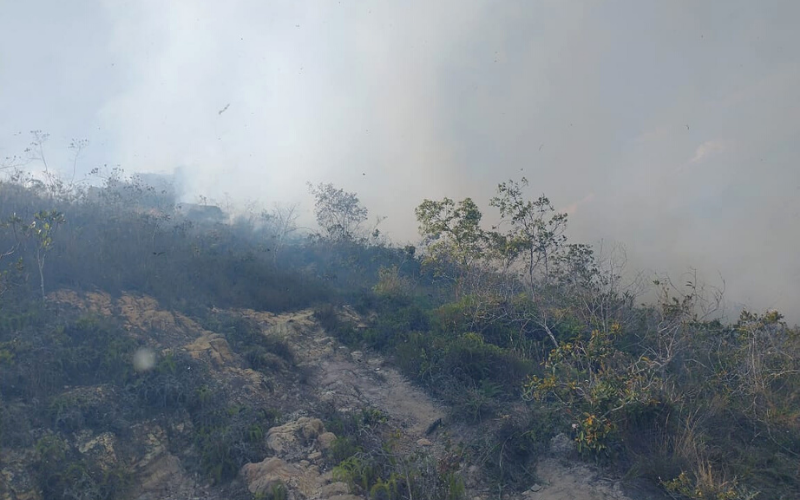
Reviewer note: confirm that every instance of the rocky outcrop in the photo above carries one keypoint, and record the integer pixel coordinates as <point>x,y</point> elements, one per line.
<point>295,440</point>
<point>159,473</point>
<point>298,446</point>
<point>213,348</point>
<point>16,479</point>
<point>100,449</point>
<point>325,440</point>
<point>300,480</point>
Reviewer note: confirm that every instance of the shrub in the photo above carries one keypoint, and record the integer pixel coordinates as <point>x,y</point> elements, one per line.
<point>173,383</point>
<point>62,473</point>
<point>228,438</point>
<point>262,352</point>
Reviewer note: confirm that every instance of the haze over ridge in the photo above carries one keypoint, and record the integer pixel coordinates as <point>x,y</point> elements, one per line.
<point>669,127</point>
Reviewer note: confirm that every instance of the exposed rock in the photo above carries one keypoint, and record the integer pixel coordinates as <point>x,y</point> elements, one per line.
<point>281,439</point>
<point>99,448</point>
<point>300,481</point>
<point>153,439</point>
<point>333,489</point>
<point>325,440</point>
<point>337,491</point>
<point>290,440</point>
<point>182,424</point>
<point>17,481</point>
<point>95,302</point>
<point>312,428</point>
<point>144,314</point>
<point>213,347</point>
<point>159,474</point>
<point>162,475</point>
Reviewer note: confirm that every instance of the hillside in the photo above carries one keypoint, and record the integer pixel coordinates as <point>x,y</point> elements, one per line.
<point>157,454</point>
<point>145,354</point>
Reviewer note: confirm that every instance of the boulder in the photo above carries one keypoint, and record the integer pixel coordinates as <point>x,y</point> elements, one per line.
<point>325,440</point>
<point>293,439</point>
<point>158,473</point>
<point>301,481</point>
<point>311,428</point>
<point>333,489</point>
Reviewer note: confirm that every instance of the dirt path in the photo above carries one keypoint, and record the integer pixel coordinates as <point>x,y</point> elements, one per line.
<point>355,379</point>
<point>567,480</point>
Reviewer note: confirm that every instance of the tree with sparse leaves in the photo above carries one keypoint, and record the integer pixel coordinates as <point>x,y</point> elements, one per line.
<point>41,230</point>
<point>283,222</point>
<point>536,231</point>
<point>339,213</point>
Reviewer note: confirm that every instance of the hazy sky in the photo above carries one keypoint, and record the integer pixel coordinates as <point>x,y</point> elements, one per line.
<point>672,127</point>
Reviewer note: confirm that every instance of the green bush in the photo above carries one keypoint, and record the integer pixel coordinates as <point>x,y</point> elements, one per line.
<point>329,319</point>
<point>262,352</point>
<point>62,473</point>
<point>228,438</point>
<point>172,384</point>
<point>473,375</point>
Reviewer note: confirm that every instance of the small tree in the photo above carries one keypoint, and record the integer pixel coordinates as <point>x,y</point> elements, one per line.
<point>283,222</point>
<point>3,255</point>
<point>454,238</point>
<point>42,229</point>
<point>54,185</point>
<point>536,232</point>
<point>339,213</point>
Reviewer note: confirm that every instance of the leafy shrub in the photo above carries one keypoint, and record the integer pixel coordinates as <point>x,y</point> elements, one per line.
<point>329,319</point>
<point>473,375</point>
<point>388,476</point>
<point>62,473</point>
<point>228,438</point>
<point>278,491</point>
<point>89,407</point>
<point>173,383</point>
<point>262,352</point>
<point>601,388</point>
<point>506,451</point>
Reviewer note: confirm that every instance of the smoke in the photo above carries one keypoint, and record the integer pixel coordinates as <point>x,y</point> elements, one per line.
<point>255,99</point>
<point>668,127</point>
<point>144,360</point>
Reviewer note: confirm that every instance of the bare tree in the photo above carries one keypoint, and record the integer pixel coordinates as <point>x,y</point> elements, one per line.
<point>339,213</point>
<point>42,228</point>
<point>4,272</point>
<point>283,219</point>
